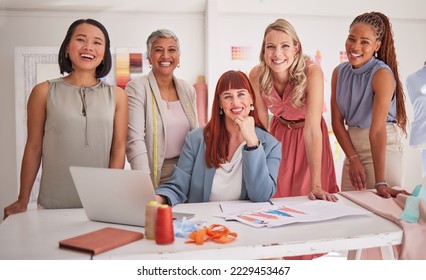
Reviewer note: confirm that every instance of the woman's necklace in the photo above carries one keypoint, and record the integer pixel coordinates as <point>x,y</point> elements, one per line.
<point>166,94</point>
<point>169,93</point>
<point>167,101</point>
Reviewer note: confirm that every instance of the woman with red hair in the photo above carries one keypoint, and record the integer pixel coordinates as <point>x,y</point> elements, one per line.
<point>233,157</point>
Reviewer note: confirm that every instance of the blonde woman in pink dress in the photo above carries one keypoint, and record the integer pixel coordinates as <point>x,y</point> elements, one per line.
<point>292,88</point>
<point>288,84</point>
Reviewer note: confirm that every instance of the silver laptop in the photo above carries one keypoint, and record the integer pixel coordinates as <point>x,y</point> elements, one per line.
<point>115,195</point>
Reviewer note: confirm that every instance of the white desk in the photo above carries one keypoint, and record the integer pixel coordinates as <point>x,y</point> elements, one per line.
<point>35,235</point>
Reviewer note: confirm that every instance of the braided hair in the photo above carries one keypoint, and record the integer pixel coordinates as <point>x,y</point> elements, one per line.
<point>386,53</point>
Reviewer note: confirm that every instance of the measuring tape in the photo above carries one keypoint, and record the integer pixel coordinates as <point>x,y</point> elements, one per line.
<point>155,139</point>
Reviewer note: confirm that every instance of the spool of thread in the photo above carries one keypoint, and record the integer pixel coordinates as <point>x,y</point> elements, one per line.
<point>150,219</point>
<point>164,233</point>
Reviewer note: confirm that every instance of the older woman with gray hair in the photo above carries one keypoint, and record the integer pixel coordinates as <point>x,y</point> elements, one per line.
<point>162,110</point>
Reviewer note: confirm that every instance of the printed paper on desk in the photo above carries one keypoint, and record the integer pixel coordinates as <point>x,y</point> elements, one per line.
<point>312,211</point>
<point>230,208</point>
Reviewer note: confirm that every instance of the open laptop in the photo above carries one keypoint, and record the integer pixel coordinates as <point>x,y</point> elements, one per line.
<point>115,195</point>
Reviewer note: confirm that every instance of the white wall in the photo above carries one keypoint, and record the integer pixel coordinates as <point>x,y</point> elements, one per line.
<point>205,42</point>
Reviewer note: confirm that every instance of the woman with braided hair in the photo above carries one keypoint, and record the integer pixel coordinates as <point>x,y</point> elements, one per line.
<point>367,97</point>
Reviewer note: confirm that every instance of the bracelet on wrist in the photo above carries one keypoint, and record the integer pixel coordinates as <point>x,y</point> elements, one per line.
<point>353,156</point>
<point>252,148</point>
<point>379,184</point>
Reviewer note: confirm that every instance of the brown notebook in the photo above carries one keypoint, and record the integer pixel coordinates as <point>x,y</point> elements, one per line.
<point>102,240</point>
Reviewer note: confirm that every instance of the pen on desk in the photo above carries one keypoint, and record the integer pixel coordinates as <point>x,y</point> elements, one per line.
<point>220,205</point>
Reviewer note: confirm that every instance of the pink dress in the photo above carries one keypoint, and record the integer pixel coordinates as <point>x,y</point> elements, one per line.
<point>293,174</point>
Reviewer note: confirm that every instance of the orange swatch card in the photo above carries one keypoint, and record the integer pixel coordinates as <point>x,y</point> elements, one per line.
<point>102,240</point>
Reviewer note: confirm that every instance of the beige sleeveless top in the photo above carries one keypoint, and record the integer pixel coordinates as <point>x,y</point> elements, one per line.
<point>78,132</point>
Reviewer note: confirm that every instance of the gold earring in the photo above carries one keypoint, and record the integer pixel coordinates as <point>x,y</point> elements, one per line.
<point>251,107</point>
<point>221,111</point>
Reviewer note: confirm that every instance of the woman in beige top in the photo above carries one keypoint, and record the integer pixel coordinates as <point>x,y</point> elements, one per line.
<point>75,120</point>
<point>161,110</point>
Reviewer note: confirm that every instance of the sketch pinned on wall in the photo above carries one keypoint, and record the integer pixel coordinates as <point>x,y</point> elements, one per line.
<point>122,70</point>
<point>135,65</point>
<point>129,65</point>
<point>240,53</point>
<point>241,58</point>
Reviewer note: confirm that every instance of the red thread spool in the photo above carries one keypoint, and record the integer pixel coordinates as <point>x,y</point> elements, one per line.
<point>164,233</point>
